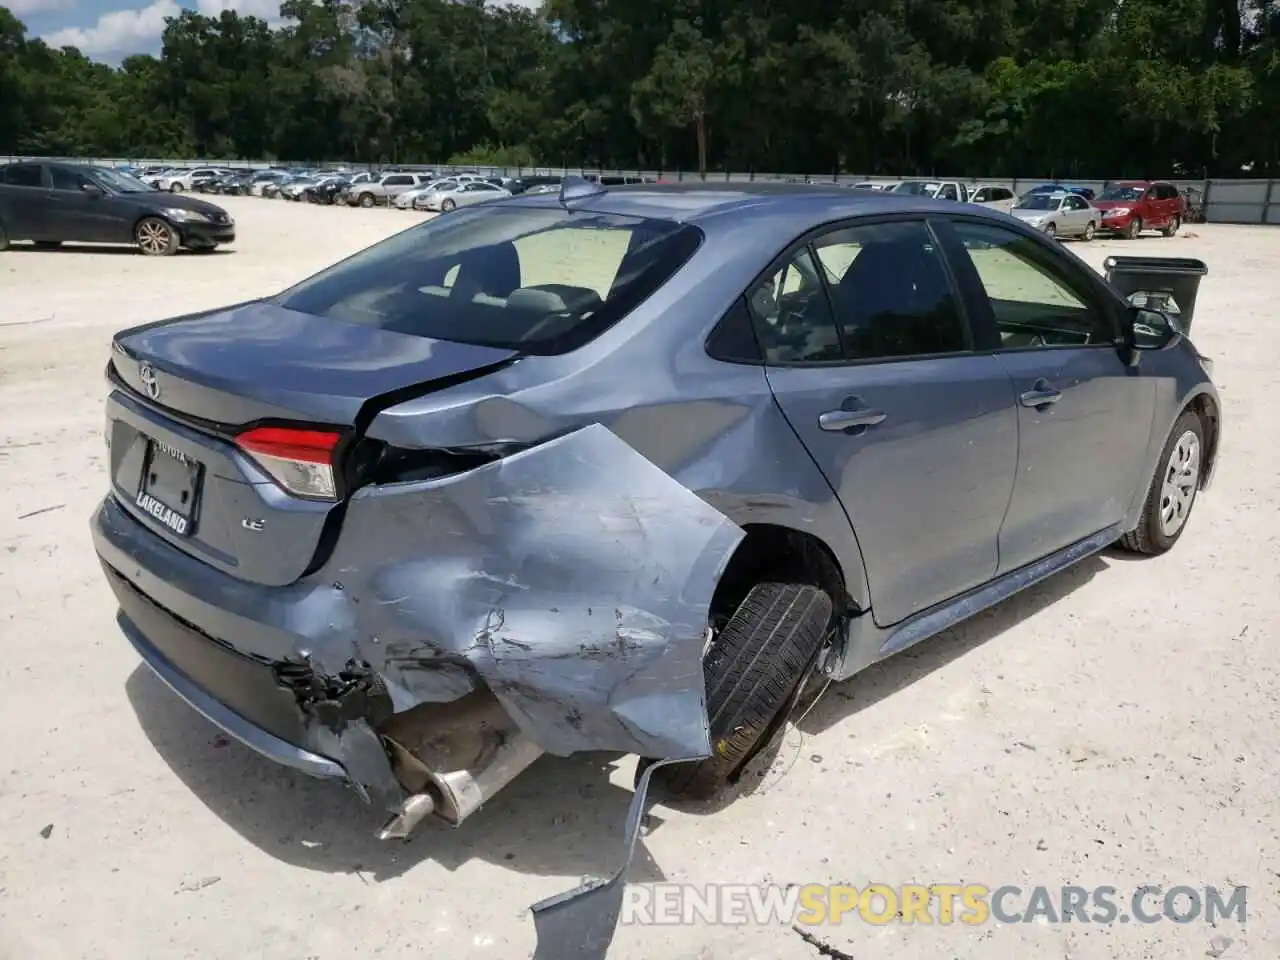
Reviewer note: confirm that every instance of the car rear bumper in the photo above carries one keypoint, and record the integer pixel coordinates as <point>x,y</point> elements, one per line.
<point>223,663</point>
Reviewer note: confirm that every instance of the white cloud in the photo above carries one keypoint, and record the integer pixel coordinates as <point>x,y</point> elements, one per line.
<point>118,33</point>
<point>21,8</point>
<point>268,10</point>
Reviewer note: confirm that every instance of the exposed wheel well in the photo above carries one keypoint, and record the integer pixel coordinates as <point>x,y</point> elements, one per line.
<point>1207,410</point>
<point>770,552</point>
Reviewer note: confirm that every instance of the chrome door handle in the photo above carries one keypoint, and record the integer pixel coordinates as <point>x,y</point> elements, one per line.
<point>1040,395</point>
<point>837,420</point>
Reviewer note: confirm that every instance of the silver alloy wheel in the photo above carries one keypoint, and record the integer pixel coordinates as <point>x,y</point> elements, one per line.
<point>1089,231</point>
<point>1181,480</point>
<point>154,237</point>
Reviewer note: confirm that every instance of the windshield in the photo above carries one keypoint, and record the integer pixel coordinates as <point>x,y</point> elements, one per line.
<point>117,181</point>
<point>917,188</point>
<point>1039,201</point>
<point>542,281</point>
<point>1122,193</point>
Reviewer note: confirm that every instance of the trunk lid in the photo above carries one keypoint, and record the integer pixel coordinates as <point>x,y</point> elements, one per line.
<point>184,388</point>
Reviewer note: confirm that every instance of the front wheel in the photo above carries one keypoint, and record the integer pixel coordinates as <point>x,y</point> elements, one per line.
<point>1172,228</point>
<point>1173,489</point>
<point>1051,231</point>
<point>1135,228</point>
<point>175,187</point>
<point>156,238</point>
<point>446,205</point>
<point>1089,231</point>
<point>366,200</point>
<point>751,672</point>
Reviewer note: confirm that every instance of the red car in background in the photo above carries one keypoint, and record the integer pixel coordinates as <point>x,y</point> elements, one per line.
<point>1131,206</point>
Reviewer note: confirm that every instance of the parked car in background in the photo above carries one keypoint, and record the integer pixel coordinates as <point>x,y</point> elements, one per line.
<point>933,189</point>
<point>1059,214</point>
<point>237,183</point>
<point>869,185</point>
<point>1131,206</point>
<point>260,181</point>
<point>176,181</point>
<point>54,203</point>
<point>378,191</point>
<point>408,199</point>
<point>464,195</point>
<point>327,191</point>
<point>993,196</point>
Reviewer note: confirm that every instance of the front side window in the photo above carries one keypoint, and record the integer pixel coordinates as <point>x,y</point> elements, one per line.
<point>1033,302</point>
<point>891,291</point>
<point>536,280</point>
<point>64,179</point>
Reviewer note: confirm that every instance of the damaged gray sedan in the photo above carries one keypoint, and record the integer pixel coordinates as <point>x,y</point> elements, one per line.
<point>622,470</point>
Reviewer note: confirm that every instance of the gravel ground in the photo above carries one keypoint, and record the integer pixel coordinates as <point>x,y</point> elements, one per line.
<point>1116,725</point>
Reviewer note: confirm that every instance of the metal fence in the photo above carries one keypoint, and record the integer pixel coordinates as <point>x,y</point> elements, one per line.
<point>1223,200</point>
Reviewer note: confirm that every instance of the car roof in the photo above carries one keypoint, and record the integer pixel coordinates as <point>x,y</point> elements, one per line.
<point>802,206</point>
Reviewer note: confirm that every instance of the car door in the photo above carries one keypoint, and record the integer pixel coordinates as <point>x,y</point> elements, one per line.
<point>1077,212</point>
<point>1084,416</point>
<point>83,216</point>
<point>24,205</point>
<point>869,355</point>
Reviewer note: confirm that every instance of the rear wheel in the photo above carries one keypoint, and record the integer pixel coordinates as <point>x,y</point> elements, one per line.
<point>752,671</point>
<point>1173,226</point>
<point>1089,231</point>
<point>1135,228</point>
<point>155,237</point>
<point>1173,489</point>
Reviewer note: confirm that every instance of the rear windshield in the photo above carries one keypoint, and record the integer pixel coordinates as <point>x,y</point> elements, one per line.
<point>541,281</point>
<point>1039,201</point>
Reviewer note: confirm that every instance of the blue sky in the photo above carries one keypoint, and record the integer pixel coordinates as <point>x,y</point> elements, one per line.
<point>110,30</point>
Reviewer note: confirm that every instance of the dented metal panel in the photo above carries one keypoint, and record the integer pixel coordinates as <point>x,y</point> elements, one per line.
<point>573,578</point>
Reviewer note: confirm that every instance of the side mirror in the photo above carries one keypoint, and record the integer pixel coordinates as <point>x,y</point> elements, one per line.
<point>92,190</point>
<point>1149,330</point>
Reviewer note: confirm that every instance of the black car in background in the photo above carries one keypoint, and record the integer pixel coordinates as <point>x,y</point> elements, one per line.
<point>53,203</point>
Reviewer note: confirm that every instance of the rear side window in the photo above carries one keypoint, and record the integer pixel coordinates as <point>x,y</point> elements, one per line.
<point>22,175</point>
<point>542,281</point>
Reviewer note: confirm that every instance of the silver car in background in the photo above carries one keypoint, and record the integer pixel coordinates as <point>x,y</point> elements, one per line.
<point>1059,214</point>
<point>461,195</point>
<point>994,197</point>
<point>408,200</point>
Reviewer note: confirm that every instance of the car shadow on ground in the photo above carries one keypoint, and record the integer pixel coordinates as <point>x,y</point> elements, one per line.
<point>561,817</point>
<point>106,248</point>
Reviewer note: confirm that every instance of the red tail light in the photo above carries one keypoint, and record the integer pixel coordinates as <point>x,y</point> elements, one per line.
<point>301,461</point>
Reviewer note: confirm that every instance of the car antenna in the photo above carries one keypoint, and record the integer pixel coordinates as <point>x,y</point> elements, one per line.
<point>578,188</point>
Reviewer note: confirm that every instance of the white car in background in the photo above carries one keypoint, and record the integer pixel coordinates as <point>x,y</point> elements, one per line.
<point>176,181</point>
<point>405,201</point>
<point>462,195</point>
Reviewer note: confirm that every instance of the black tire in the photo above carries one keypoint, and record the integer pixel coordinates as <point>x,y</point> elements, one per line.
<point>1090,231</point>
<point>446,205</point>
<point>176,187</point>
<point>1173,226</point>
<point>156,237</point>
<point>1152,535</point>
<point>366,200</point>
<point>48,244</point>
<point>751,671</point>
<point>1135,228</point>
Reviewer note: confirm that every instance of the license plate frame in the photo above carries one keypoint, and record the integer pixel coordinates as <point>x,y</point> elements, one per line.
<point>170,486</point>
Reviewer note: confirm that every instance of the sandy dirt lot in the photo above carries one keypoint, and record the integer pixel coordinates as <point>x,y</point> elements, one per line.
<point>1117,725</point>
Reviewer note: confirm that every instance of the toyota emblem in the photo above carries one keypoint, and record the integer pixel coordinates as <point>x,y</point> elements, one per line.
<point>148,377</point>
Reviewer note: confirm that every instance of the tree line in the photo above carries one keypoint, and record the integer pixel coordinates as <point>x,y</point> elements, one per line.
<point>1071,88</point>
